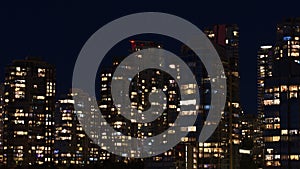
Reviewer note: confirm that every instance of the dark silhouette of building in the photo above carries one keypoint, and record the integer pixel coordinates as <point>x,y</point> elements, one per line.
<point>221,150</point>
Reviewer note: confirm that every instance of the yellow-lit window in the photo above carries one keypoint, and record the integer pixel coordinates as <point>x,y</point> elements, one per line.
<point>276,126</point>
<point>270,90</point>
<point>40,97</point>
<point>283,88</point>
<point>276,138</point>
<point>294,157</point>
<point>293,95</point>
<point>284,132</point>
<point>269,126</point>
<point>268,102</point>
<point>269,157</point>
<point>21,133</point>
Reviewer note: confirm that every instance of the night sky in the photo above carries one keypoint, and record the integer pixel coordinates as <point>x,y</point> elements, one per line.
<point>56,31</point>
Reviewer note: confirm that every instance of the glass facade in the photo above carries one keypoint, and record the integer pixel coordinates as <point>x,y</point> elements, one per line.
<point>279,73</point>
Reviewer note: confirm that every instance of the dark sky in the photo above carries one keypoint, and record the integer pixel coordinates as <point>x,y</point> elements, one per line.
<point>56,31</point>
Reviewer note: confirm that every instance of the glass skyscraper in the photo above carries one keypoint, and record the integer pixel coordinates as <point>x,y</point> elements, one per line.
<point>281,103</point>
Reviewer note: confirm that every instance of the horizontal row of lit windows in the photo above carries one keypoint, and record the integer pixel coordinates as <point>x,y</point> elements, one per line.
<point>271,102</point>
<point>273,163</point>
<point>283,88</point>
<point>290,132</point>
<point>272,139</point>
<point>272,120</point>
<point>277,157</point>
<point>211,150</point>
<point>272,126</point>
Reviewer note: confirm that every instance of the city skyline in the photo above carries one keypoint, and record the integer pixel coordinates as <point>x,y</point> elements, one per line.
<point>58,31</point>
<point>44,121</point>
<point>225,38</point>
<point>65,76</point>
<point>29,100</point>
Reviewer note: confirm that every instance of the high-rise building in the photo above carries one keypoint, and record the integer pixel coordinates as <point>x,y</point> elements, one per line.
<point>72,145</point>
<point>70,141</point>
<point>29,101</point>
<point>281,103</point>
<point>142,84</point>
<point>221,150</point>
<point>264,70</point>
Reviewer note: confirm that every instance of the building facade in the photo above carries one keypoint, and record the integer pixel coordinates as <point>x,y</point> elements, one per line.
<point>222,148</point>
<point>142,85</point>
<point>250,148</point>
<point>281,110</point>
<point>72,145</point>
<point>29,101</point>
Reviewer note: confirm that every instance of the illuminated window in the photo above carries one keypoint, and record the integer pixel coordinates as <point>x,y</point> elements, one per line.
<point>293,88</point>
<point>272,102</point>
<point>293,95</point>
<point>293,132</point>
<point>284,132</point>
<point>283,88</point>
<point>270,151</point>
<point>19,94</point>
<point>269,126</point>
<point>272,139</point>
<point>294,157</point>
<point>276,138</point>
<point>40,97</point>
<point>276,126</point>
<point>276,101</point>
<point>18,69</point>
<point>211,35</point>
<point>277,157</point>
<point>235,33</point>
<point>21,133</point>
<point>41,72</point>
<point>269,157</point>
<point>270,90</point>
